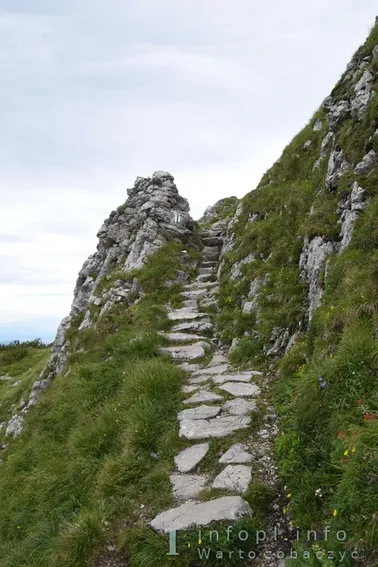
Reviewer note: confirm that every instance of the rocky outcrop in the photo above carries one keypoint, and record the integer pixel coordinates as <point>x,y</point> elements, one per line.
<point>349,212</point>
<point>153,214</point>
<point>312,262</point>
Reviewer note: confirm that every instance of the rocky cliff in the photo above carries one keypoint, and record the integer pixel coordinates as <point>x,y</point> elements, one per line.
<point>153,215</point>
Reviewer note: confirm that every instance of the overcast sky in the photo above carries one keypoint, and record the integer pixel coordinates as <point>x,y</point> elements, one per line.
<point>95,93</point>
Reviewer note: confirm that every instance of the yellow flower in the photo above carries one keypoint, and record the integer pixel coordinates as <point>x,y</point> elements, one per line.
<point>289,495</point>
<point>199,541</point>
<point>353,449</point>
<point>284,510</point>
<point>188,544</point>
<point>346,453</point>
<point>334,513</point>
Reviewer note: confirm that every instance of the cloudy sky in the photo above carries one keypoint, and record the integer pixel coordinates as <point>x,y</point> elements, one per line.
<point>95,93</point>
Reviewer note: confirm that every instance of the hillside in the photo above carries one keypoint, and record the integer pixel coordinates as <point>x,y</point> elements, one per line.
<point>219,373</point>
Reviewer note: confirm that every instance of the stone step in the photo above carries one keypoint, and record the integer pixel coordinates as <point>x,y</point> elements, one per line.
<point>186,314</point>
<point>195,326</point>
<point>203,271</point>
<point>200,412</point>
<point>209,264</point>
<point>237,454</point>
<point>190,304</point>
<point>236,377</point>
<point>235,478</point>
<point>211,370</point>
<point>240,406</point>
<point>203,396</point>
<point>189,458</point>
<point>212,241</point>
<point>216,428</point>
<point>187,352</point>
<point>241,389</point>
<point>207,303</point>
<point>187,486</point>
<point>201,285</point>
<point>195,294</point>
<point>203,278</point>
<point>193,514</point>
<point>181,337</point>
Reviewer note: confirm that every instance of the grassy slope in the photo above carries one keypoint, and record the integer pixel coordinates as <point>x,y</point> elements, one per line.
<point>329,436</point>
<point>100,442</point>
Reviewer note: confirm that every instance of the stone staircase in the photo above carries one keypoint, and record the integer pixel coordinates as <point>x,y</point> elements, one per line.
<point>220,401</point>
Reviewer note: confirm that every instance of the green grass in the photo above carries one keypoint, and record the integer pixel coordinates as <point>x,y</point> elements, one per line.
<point>96,452</point>
<point>318,425</point>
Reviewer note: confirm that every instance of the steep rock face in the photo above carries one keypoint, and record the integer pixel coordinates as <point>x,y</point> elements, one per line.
<point>302,215</point>
<point>153,214</point>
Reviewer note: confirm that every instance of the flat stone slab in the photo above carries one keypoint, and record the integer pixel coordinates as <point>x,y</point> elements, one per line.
<point>203,396</point>
<point>187,389</point>
<point>186,486</point>
<point>200,412</point>
<point>217,427</point>
<point>195,326</point>
<point>237,453</point>
<point>191,514</point>
<point>205,277</point>
<point>218,358</point>
<point>190,304</point>
<point>235,478</point>
<point>199,379</point>
<point>189,458</point>
<point>219,369</point>
<point>238,406</point>
<point>187,352</point>
<point>241,377</point>
<point>185,314</point>
<point>240,389</point>
<point>181,337</point>
<point>201,285</point>
<point>206,303</point>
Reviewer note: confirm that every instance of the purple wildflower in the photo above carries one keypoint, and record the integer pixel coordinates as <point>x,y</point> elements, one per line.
<point>323,383</point>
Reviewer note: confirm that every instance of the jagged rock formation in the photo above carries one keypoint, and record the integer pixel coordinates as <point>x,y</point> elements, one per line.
<point>153,214</point>
<point>342,180</point>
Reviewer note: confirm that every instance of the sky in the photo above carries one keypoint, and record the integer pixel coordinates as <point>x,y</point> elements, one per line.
<point>94,94</point>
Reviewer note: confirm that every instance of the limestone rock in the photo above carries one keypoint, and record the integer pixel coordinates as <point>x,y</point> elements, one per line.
<point>187,486</point>
<point>239,377</point>
<point>185,314</point>
<point>191,514</point>
<point>182,337</point>
<point>189,458</point>
<point>187,352</point>
<point>218,427</point>
<point>313,256</point>
<point>337,167</point>
<point>362,96</point>
<point>366,166</point>
<point>240,389</point>
<point>349,211</point>
<point>237,453</point>
<point>203,396</point>
<point>195,326</point>
<point>200,412</point>
<point>15,426</point>
<point>235,478</point>
<point>219,369</point>
<point>239,406</point>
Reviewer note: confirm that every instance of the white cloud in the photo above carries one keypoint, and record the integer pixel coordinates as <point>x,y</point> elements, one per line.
<point>95,94</point>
